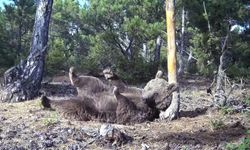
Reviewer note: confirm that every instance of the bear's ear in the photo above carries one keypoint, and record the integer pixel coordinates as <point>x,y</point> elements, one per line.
<point>159,74</point>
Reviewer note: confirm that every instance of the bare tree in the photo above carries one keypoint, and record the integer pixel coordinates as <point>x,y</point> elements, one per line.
<point>220,95</point>
<point>158,49</point>
<point>181,51</point>
<point>23,81</point>
<point>206,16</point>
<point>173,110</point>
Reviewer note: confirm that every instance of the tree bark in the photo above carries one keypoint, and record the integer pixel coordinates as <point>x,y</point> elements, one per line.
<point>23,81</point>
<point>158,49</point>
<point>220,96</point>
<point>173,110</point>
<point>206,15</point>
<point>181,64</point>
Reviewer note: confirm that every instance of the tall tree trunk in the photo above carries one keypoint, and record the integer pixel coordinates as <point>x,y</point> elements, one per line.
<point>173,110</point>
<point>181,64</point>
<point>23,81</point>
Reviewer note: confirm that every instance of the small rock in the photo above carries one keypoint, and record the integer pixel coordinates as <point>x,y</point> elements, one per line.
<point>106,129</point>
<point>3,118</point>
<point>17,148</point>
<point>77,146</point>
<point>90,132</point>
<point>60,140</point>
<point>33,145</point>
<point>11,134</point>
<point>42,137</point>
<point>203,130</point>
<point>48,143</point>
<point>70,131</point>
<point>166,146</point>
<point>144,146</point>
<point>52,136</point>
<point>113,136</point>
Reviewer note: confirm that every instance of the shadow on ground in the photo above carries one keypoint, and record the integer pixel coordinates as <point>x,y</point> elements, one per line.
<point>204,137</point>
<point>193,113</point>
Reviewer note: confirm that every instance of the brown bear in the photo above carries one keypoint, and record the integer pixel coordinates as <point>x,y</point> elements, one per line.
<point>87,108</point>
<point>98,101</point>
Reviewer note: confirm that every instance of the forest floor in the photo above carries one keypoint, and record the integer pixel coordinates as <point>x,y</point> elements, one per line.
<point>27,125</point>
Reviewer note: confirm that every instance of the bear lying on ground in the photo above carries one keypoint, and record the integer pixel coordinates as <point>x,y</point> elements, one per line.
<point>97,89</point>
<point>98,101</point>
<point>86,108</point>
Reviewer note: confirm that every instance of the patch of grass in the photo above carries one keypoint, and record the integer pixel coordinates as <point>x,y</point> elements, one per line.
<point>247,101</point>
<point>39,103</point>
<point>217,124</point>
<point>52,120</point>
<point>226,110</point>
<point>244,145</point>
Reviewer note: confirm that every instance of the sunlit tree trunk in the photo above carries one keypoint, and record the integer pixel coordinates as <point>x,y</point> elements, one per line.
<point>173,110</point>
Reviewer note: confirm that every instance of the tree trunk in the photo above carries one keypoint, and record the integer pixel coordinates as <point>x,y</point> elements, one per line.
<point>181,64</point>
<point>23,81</point>
<point>220,96</point>
<point>173,110</point>
<point>158,50</point>
<point>206,16</point>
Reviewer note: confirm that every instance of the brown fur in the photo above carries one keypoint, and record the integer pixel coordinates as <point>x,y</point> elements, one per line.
<point>78,108</point>
<point>87,85</point>
<point>97,101</point>
<point>114,80</point>
<point>158,92</point>
<point>82,109</point>
<point>128,112</point>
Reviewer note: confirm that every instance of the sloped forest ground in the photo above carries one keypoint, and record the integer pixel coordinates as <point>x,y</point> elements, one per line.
<point>27,125</point>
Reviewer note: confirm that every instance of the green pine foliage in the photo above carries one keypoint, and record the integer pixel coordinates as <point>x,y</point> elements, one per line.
<point>56,59</point>
<point>112,33</point>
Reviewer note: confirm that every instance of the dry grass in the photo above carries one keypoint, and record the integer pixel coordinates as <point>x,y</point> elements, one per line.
<point>185,130</point>
<point>206,129</point>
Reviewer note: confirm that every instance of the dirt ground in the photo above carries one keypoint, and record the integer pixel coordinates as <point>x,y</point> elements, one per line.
<point>27,125</point>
